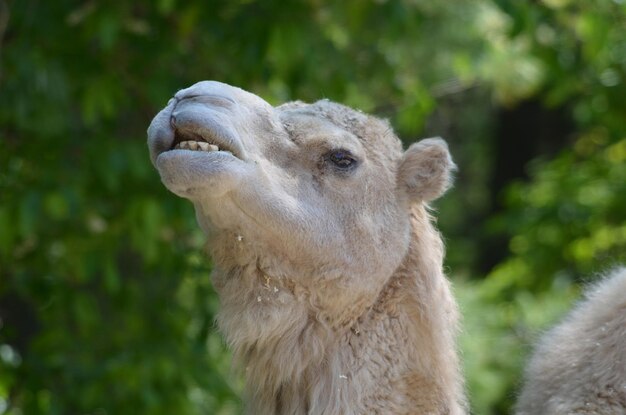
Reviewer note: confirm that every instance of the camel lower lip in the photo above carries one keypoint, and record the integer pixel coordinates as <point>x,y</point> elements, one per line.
<point>187,172</point>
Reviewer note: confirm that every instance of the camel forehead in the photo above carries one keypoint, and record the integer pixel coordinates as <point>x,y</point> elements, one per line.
<point>374,134</point>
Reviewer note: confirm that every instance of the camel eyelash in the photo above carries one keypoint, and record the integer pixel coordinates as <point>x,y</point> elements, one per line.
<point>341,159</point>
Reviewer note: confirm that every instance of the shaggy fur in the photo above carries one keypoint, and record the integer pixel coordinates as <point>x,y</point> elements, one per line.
<point>330,278</point>
<point>580,366</point>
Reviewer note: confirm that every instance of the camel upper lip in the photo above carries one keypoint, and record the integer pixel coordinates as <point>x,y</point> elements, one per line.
<point>201,119</point>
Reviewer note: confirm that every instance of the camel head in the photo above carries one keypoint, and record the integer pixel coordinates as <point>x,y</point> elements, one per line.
<point>317,193</point>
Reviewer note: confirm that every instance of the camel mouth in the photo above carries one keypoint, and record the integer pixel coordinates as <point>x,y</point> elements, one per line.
<point>197,142</point>
<point>200,160</point>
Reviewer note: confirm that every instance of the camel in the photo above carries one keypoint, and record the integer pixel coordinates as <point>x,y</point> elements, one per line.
<point>579,367</point>
<point>326,261</point>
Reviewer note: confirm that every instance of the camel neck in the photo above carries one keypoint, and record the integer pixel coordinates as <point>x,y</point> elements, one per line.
<point>396,355</point>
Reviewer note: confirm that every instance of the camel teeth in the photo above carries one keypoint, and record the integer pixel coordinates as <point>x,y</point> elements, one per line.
<point>197,146</point>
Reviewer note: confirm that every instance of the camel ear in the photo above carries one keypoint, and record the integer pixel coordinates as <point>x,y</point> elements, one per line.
<point>425,171</point>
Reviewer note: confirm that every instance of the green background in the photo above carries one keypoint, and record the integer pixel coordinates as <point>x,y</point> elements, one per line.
<point>105,303</point>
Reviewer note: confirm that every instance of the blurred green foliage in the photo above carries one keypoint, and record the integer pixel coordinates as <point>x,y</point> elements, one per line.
<point>105,304</point>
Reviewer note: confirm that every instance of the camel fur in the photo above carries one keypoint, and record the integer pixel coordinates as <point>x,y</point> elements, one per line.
<point>579,367</point>
<point>326,261</point>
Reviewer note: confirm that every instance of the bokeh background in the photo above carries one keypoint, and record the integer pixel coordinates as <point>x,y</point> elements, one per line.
<point>105,302</point>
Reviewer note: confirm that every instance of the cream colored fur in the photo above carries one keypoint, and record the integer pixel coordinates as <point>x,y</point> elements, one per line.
<point>330,279</point>
<point>580,366</point>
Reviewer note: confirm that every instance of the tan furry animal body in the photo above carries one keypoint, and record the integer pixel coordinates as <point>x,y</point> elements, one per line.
<point>579,367</point>
<point>326,263</point>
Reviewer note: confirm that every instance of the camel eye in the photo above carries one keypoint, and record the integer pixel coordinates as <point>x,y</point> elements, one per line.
<point>342,159</point>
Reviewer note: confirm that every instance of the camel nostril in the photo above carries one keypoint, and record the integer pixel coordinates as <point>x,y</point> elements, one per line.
<point>173,121</point>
